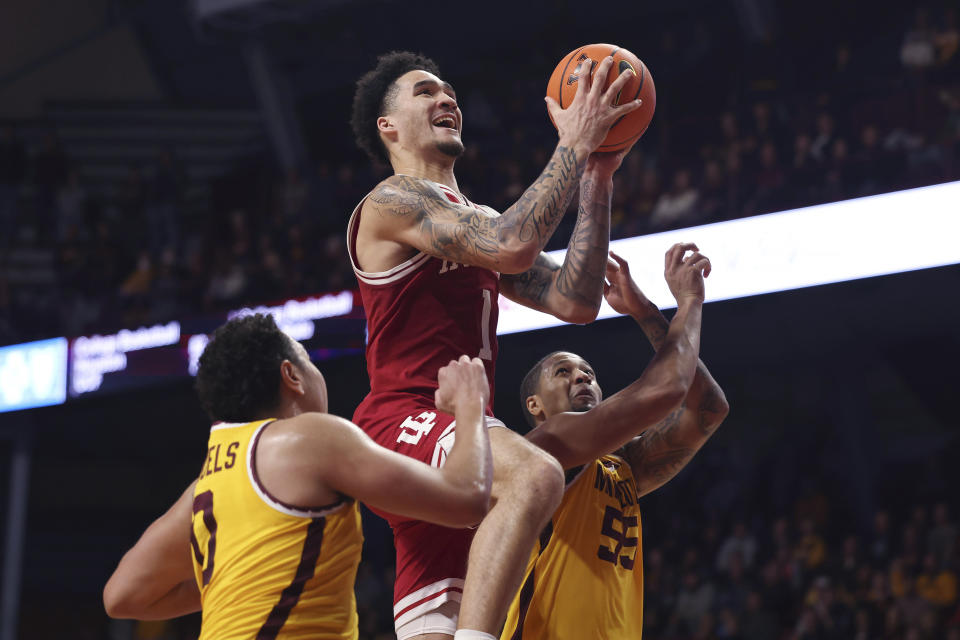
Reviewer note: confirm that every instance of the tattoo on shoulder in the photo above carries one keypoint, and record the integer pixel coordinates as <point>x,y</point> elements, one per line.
<point>454,232</point>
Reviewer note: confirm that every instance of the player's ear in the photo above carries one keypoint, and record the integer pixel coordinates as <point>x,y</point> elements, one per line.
<point>292,378</point>
<point>534,405</point>
<point>386,126</point>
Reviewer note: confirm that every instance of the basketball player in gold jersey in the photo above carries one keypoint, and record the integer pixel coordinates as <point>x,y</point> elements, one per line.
<point>267,540</point>
<point>584,578</point>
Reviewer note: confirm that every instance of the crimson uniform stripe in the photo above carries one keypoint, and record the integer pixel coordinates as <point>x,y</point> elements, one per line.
<point>526,592</point>
<point>290,595</point>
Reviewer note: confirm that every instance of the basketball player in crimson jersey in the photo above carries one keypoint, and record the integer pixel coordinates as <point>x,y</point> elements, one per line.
<point>430,266</point>
<point>584,578</point>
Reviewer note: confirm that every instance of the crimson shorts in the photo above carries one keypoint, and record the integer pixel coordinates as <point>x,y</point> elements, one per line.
<point>431,559</point>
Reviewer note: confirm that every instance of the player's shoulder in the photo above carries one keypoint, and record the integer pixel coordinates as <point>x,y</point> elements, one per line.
<point>306,429</point>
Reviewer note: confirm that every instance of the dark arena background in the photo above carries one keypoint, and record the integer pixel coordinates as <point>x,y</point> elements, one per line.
<point>165,163</point>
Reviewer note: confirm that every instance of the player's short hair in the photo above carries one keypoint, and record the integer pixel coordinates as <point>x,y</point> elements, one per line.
<point>375,93</point>
<point>531,386</point>
<point>239,374</point>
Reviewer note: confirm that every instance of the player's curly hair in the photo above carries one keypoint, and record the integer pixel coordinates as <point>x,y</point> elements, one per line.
<point>374,96</point>
<point>239,374</point>
<point>530,386</point>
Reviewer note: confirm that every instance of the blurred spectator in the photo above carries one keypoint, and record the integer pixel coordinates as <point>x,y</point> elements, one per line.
<point>71,200</point>
<point>935,584</point>
<point>811,550</point>
<point>693,603</point>
<point>676,207</point>
<point>164,197</point>
<point>824,137</point>
<point>943,536</point>
<point>738,542</point>
<point>918,50</point>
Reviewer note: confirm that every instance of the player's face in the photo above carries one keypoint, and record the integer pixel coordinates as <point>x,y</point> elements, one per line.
<point>568,383</point>
<point>426,116</point>
<point>314,383</point>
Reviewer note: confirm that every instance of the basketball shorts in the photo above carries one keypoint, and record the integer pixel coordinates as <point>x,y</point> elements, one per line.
<point>431,559</point>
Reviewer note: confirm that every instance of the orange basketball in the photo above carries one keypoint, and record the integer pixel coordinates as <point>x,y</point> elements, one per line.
<point>563,87</point>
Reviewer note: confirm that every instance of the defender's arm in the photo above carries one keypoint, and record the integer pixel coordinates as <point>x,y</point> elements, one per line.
<point>324,453</point>
<point>661,452</point>
<point>154,580</point>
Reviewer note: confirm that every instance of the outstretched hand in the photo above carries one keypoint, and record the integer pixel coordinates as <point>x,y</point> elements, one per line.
<point>685,276</point>
<point>622,293</point>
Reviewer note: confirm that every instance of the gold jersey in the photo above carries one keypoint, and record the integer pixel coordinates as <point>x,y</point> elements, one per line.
<point>268,569</point>
<point>584,579</point>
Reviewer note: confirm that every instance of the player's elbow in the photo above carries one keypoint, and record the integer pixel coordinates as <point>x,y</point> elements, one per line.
<point>119,602</point>
<point>469,508</point>
<point>581,313</point>
<point>670,395</point>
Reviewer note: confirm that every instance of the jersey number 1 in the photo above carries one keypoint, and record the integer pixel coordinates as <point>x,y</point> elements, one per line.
<point>486,353</point>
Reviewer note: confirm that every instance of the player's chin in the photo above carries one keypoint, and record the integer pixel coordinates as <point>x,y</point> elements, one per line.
<point>452,148</point>
<point>582,403</point>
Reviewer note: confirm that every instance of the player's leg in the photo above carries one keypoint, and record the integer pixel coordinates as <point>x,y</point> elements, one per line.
<point>527,488</point>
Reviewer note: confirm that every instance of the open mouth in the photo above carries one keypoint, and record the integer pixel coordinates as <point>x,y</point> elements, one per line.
<point>446,121</point>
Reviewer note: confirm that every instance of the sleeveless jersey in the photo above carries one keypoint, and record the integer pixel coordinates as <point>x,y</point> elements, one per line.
<point>422,314</point>
<point>584,579</point>
<point>267,569</point>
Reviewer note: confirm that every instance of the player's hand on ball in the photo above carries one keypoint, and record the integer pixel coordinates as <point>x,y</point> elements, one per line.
<point>584,124</point>
<point>685,275</point>
<point>461,383</point>
<point>622,293</point>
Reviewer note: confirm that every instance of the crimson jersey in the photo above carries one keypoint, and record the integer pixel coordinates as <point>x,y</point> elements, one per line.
<point>422,314</point>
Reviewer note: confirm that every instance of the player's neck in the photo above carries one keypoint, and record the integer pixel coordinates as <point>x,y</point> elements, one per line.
<point>440,171</point>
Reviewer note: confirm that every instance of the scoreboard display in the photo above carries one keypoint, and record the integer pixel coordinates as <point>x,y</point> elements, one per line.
<point>50,372</point>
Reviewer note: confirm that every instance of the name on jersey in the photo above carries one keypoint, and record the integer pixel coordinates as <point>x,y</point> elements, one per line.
<point>217,463</point>
<point>623,490</point>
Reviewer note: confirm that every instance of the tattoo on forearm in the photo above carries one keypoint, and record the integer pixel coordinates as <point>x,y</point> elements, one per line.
<point>660,453</point>
<point>655,326</point>
<point>534,284</point>
<point>581,276</point>
<point>543,204</point>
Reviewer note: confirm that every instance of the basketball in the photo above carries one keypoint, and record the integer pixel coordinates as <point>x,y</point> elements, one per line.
<point>563,87</point>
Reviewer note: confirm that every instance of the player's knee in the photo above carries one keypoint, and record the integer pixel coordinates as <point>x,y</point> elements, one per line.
<point>540,480</point>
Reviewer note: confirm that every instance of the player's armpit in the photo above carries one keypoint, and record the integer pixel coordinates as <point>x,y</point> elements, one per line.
<point>336,455</point>
<point>154,580</point>
<point>415,212</point>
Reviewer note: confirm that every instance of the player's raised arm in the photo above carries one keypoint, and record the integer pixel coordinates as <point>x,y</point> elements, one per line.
<point>154,580</point>
<point>336,454</point>
<point>577,438</point>
<point>573,291</point>
<point>663,450</point>
<point>414,212</point>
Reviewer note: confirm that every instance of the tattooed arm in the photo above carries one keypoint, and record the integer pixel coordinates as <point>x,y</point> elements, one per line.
<point>662,451</point>
<point>577,438</point>
<point>572,291</point>
<point>414,212</point>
